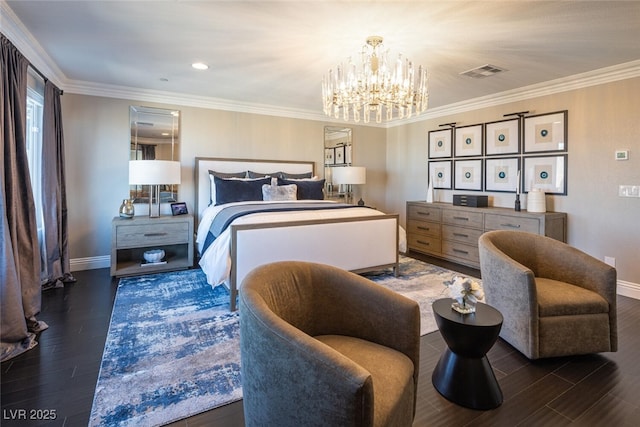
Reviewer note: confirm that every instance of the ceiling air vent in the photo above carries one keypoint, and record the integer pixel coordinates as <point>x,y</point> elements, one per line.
<point>483,71</point>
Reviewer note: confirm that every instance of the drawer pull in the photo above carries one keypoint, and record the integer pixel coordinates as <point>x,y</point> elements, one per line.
<point>461,218</point>
<point>510,225</point>
<point>460,235</point>
<point>422,242</point>
<point>423,228</point>
<point>460,251</point>
<point>423,213</point>
<point>154,234</point>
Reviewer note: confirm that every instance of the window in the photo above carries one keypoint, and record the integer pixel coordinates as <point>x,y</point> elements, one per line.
<point>35,103</point>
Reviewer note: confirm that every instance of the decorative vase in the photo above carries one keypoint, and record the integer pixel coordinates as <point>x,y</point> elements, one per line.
<point>464,307</point>
<point>127,210</point>
<point>430,191</point>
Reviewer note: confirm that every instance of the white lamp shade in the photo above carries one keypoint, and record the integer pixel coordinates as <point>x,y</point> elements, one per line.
<point>154,172</point>
<point>350,175</point>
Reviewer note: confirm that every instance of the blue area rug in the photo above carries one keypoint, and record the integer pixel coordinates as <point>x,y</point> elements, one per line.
<point>173,347</point>
<point>172,351</point>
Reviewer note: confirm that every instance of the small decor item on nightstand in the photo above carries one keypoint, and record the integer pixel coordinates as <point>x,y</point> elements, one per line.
<point>154,256</point>
<point>466,292</point>
<point>179,208</point>
<point>127,210</point>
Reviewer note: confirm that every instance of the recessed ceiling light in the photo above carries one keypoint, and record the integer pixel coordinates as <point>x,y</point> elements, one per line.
<point>199,66</point>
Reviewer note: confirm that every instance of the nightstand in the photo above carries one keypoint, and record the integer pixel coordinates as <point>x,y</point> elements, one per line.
<point>130,238</point>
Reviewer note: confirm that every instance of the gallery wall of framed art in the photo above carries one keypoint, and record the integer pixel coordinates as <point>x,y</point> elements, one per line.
<point>516,153</point>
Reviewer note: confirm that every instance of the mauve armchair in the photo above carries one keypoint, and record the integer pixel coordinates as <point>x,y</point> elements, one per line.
<point>555,299</point>
<point>321,346</point>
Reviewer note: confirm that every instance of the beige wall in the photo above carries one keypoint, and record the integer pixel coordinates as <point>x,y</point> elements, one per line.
<point>601,119</point>
<point>96,133</point>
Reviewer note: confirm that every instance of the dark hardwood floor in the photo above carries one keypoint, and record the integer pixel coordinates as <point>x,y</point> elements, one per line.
<point>60,373</point>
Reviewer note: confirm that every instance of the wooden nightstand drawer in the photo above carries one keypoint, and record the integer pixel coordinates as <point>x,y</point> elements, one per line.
<point>150,235</point>
<point>425,228</point>
<point>460,217</point>
<point>425,213</point>
<point>506,222</point>
<point>461,234</point>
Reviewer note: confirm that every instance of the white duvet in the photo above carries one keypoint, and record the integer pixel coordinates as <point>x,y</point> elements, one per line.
<point>216,260</point>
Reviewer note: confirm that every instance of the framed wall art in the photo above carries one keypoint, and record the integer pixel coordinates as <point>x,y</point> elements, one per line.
<point>545,132</point>
<point>468,175</point>
<point>501,174</point>
<point>548,173</point>
<point>440,143</point>
<point>502,137</point>
<point>440,172</point>
<point>468,141</point>
<point>340,155</point>
<point>329,156</point>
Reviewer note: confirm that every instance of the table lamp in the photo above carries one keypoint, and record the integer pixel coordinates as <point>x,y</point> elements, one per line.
<point>350,176</point>
<point>154,173</point>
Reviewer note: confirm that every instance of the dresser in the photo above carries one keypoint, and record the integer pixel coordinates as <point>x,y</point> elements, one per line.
<point>130,238</point>
<point>451,232</point>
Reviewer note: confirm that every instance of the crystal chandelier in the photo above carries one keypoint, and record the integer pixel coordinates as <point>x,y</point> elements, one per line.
<point>376,86</point>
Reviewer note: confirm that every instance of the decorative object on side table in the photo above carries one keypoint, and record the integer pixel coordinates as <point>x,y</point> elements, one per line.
<point>127,210</point>
<point>153,256</point>
<point>466,292</point>
<point>517,206</point>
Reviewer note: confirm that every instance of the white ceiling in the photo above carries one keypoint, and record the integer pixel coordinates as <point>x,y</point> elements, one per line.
<point>274,53</point>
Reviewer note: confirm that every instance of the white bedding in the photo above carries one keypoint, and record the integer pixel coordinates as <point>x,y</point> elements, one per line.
<point>216,260</point>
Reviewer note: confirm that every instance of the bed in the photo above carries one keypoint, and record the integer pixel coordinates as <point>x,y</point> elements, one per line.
<point>255,232</point>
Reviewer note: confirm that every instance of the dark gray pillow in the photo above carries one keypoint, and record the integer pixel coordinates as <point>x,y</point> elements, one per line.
<point>228,175</point>
<point>252,174</point>
<point>238,190</point>
<point>296,175</point>
<point>307,190</point>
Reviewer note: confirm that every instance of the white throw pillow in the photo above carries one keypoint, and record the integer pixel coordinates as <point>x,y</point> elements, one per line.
<point>279,192</point>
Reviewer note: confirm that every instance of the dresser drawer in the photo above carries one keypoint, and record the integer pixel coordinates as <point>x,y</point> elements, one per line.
<point>425,228</point>
<point>506,222</point>
<point>464,218</point>
<point>424,243</point>
<point>425,213</point>
<point>152,234</point>
<point>461,250</point>
<point>461,234</point>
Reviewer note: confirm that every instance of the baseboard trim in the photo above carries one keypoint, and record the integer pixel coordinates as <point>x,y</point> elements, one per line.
<point>628,289</point>
<point>90,263</point>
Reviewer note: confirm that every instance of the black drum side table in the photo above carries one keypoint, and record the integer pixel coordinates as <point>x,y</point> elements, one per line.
<point>463,374</point>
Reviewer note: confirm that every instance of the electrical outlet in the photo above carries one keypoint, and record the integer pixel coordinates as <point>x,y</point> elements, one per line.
<point>610,260</point>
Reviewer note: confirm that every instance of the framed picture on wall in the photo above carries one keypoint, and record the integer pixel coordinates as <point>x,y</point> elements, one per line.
<point>548,173</point>
<point>348,156</point>
<point>440,172</point>
<point>501,174</point>
<point>545,132</point>
<point>468,175</point>
<point>440,143</point>
<point>502,137</point>
<point>468,141</point>
<point>340,155</point>
<point>329,156</point>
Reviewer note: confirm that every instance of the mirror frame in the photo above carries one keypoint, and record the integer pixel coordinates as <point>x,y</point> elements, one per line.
<point>153,127</point>
<point>338,152</point>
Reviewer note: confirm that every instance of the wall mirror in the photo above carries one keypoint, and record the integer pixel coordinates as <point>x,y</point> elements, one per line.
<point>155,135</point>
<point>338,152</point>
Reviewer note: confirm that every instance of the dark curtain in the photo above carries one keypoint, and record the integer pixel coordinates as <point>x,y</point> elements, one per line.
<point>20,293</point>
<point>54,197</point>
